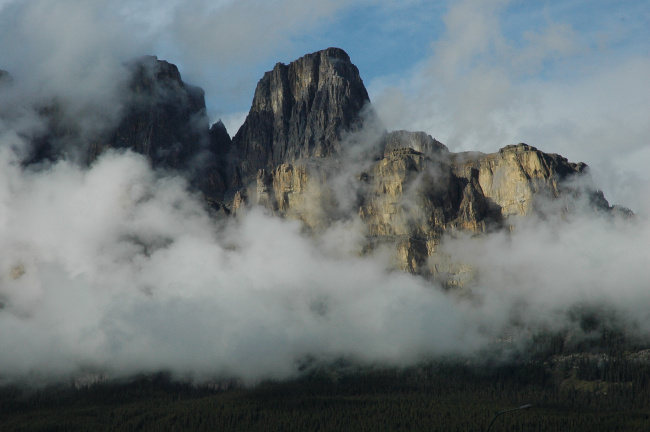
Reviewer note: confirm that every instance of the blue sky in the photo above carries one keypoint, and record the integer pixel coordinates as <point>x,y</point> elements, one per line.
<point>566,76</point>
<point>388,38</point>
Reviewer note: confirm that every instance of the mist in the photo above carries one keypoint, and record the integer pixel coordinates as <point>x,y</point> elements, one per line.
<point>119,269</point>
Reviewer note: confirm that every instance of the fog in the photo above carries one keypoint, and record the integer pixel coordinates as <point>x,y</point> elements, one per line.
<point>115,269</point>
<point>118,269</point>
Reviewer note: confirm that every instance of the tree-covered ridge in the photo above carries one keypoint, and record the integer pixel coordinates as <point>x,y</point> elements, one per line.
<point>576,394</point>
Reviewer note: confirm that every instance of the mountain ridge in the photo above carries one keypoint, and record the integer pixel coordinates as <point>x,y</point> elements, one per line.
<point>294,151</point>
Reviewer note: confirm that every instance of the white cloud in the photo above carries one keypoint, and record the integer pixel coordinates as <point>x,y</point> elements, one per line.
<point>116,269</point>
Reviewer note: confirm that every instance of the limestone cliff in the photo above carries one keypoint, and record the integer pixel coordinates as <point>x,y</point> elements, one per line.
<point>301,191</point>
<point>418,141</point>
<point>409,200</point>
<point>522,180</point>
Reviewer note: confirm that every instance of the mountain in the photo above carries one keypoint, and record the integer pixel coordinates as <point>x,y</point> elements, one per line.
<point>312,149</point>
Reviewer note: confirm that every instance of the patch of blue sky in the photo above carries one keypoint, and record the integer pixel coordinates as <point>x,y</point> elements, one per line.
<point>389,40</point>
<point>382,38</point>
<point>602,30</point>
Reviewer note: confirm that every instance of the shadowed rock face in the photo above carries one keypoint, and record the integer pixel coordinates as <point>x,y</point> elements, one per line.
<point>418,141</point>
<point>161,118</point>
<point>300,110</point>
<point>164,118</point>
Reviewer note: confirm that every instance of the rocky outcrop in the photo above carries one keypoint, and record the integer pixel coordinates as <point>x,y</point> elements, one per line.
<point>409,200</point>
<point>522,180</point>
<point>164,118</point>
<point>207,172</point>
<point>302,190</point>
<point>418,141</point>
<point>299,110</point>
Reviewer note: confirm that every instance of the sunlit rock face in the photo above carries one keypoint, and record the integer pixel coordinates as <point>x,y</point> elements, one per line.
<point>408,193</point>
<point>294,156</point>
<point>300,110</point>
<point>300,191</point>
<point>409,200</point>
<point>520,179</point>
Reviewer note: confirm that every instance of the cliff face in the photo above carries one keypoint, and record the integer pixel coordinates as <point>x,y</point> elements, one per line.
<point>164,118</point>
<point>520,178</point>
<point>300,190</point>
<point>300,110</point>
<point>409,200</point>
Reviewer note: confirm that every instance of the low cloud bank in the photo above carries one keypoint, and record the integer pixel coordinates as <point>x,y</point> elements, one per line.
<point>118,269</point>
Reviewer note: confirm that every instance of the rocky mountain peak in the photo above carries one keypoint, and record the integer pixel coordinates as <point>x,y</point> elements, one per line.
<point>164,118</point>
<point>300,110</point>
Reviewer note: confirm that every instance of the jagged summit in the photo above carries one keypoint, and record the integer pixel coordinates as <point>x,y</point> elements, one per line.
<point>164,118</point>
<point>300,110</point>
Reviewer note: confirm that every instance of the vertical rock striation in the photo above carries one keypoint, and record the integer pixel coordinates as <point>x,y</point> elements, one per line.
<point>410,196</point>
<point>300,110</point>
<point>165,120</point>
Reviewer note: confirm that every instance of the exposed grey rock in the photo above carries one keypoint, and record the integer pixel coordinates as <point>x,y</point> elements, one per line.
<point>300,110</point>
<point>407,195</point>
<point>164,119</point>
<point>409,200</point>
<point>212,164</point>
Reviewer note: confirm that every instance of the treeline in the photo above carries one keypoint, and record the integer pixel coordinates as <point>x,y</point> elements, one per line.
<point>580,394</point>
